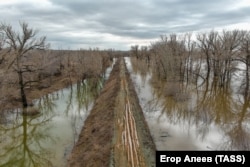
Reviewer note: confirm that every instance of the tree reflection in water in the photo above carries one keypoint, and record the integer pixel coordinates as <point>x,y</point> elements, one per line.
<point>209,113</point>
<point>23,143</point>
<point>46,139</point>
<point>238,131</point>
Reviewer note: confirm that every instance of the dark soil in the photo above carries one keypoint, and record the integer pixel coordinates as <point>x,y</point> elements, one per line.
<point>95,141</point>
<point>96,146</point>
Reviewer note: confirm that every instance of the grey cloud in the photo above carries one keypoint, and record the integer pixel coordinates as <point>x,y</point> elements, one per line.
<point>138,20</point>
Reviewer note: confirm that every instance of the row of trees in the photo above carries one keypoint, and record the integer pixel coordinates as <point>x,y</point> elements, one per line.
<point>222,50</point>
<point>203,56</point>
<point>26,62</point>
<point>200,80</point>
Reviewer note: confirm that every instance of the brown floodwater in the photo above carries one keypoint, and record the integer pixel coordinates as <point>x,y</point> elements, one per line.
<point>48,138</point>
<point>180,117</point>
<point>190,117</point>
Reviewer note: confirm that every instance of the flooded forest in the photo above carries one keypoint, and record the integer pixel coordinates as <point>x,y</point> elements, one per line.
<point>200,89</point>
<point>193,92</point>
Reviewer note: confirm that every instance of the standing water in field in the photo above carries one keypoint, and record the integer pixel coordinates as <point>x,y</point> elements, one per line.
<point>185,116</point>
<point>47,139</point>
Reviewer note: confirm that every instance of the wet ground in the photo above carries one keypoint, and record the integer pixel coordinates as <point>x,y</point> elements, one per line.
<point>115,133</point>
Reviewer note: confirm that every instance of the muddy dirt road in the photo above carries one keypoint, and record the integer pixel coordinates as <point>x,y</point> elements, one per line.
<point>115,134</point>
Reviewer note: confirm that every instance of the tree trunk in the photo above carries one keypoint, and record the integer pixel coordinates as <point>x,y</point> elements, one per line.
<point>208,65</point>
<point>247,69</point>
<point>247,75</point>
<point>21,85</point>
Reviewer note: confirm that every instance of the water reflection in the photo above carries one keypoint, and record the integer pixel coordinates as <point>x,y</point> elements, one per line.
<point>21,143</point>
<point>46,139</point>
<point>193,115</point>
<point>238,132</point>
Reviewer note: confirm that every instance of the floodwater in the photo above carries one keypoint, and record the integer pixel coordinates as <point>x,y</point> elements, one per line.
<point>48,138</point>
<point>191,117</point>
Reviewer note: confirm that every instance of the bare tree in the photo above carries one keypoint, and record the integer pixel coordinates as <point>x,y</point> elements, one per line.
<point>2,50</point>
<point>189,55</point>
<point>2,41</point>
<point>203,44</point>
<point>20,44</point>
<point>169,55</point>
<point>244,57</point>
<point>135,51</point>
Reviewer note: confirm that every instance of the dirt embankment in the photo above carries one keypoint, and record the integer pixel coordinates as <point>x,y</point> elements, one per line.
<point>94,143</point>
<point>115,133</point>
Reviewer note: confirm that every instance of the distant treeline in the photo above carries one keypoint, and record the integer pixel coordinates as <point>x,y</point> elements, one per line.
<point>27,62</point>
<point>209,55</point>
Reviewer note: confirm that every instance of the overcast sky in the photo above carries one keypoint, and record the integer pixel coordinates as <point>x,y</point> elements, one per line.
<point>118,24</point>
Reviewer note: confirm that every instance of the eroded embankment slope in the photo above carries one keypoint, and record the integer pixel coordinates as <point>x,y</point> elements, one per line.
<point>115,133</point>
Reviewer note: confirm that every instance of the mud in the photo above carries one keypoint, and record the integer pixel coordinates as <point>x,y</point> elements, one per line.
<point>115,133</point>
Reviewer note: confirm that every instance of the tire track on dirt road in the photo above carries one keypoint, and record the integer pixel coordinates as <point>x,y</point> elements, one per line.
<point>129,146</point>
<point>115,134</point>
